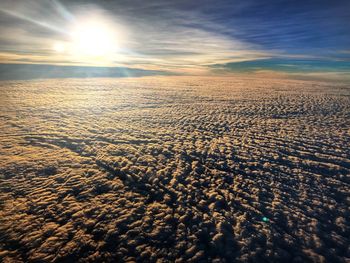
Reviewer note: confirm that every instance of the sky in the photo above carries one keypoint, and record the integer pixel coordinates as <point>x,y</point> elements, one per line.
<point>174,37</point>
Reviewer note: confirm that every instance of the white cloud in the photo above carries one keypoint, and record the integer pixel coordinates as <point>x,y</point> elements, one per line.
<point>166,38</point>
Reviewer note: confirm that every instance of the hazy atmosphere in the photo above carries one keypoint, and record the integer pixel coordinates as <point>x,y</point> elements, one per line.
<point>174,131</point>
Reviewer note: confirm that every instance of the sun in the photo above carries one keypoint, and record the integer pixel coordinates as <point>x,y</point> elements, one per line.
<point>93,39</point>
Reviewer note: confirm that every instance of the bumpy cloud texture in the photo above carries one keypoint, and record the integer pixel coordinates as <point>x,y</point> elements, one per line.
<point>176,169</point>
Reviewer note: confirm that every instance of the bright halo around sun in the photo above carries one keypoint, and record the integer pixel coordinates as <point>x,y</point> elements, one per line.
<point>93,39</point>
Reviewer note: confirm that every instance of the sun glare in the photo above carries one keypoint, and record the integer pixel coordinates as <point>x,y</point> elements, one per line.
<point>93,39</point>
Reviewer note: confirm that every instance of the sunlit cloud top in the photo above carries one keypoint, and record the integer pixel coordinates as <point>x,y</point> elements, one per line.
<point>175,36</point>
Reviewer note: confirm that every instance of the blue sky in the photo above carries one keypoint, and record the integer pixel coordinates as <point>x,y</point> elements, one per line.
<point>311,27</point>
<point>185,37</point>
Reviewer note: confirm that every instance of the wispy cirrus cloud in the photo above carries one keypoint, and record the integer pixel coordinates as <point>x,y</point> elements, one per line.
<point>158,34</point>
<point>178,36</point>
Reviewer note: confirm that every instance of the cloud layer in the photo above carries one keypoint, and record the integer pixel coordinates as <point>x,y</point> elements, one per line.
<point>174,169</point>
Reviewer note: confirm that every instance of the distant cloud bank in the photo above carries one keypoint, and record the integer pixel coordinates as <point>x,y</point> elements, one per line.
<point>33,71</point>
